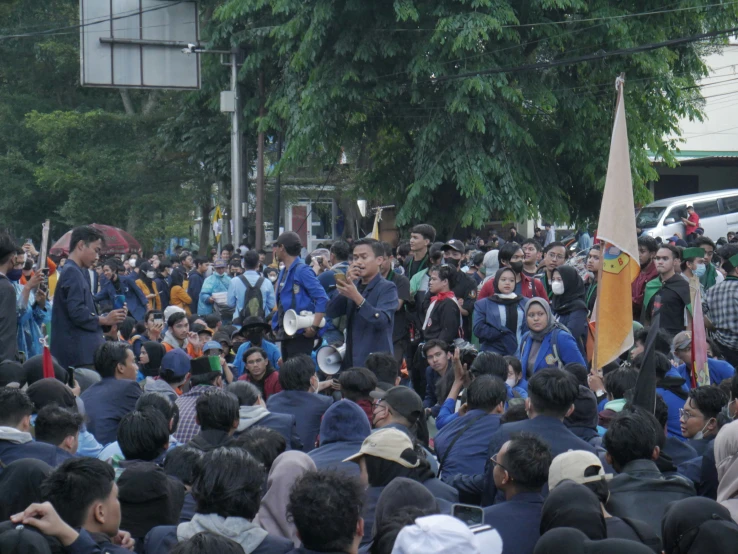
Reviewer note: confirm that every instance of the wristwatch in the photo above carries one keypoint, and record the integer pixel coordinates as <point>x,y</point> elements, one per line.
<point>315,328</point>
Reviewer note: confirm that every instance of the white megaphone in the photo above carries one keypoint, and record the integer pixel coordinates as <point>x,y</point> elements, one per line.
<point>293,321</point>
<point>330,358</point>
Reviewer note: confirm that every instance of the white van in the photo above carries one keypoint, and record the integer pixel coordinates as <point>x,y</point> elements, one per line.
<point>718,213</point>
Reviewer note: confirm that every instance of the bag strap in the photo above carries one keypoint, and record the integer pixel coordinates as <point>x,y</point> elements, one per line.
<point>258,283</point>
<point>245,282</point>
<point>555,347</point>
<point>463,430</point>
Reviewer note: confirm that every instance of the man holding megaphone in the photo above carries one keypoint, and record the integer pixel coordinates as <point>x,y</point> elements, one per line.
<point>299,290</point>
<point>369,302</point>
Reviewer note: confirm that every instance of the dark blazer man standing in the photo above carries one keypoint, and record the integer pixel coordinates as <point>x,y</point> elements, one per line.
<point>369,301</point>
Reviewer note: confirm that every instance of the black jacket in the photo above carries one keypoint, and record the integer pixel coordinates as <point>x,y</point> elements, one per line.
<point>444,322</point>
<point>209,440</point>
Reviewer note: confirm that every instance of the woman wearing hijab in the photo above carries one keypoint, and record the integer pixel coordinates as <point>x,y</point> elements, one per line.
<point>147,285</point>
<point>20,485</point>
<point>698,525</point>
<point>491,265</point>
<point>442,314</point>
<point>546,344</point>
<point>568,303</point>
<point>726,462</point>
<point>499,320</point>
<point>150,358</point>
<point>572,541</point>
<point>272,517</point>
<point>177,294</point>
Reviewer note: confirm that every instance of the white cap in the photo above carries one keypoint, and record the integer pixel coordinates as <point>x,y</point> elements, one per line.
<point>441,534</point>
<point>572,465</point>
<point>170,310</point>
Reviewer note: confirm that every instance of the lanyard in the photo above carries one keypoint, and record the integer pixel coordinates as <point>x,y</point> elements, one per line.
<point>590,292</point>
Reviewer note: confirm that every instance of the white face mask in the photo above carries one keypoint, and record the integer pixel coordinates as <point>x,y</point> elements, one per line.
<point>557,287</point>
<point>150,274</point>
<point>701,434</point>
<point>281,267</point>
<point>511,382</point>
<point>272,278</point>
<point>132,262</point>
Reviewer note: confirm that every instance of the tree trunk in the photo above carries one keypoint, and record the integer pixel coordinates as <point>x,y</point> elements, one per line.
<point>259,238</point>
<point>127,102</point>
<point>205,209</point>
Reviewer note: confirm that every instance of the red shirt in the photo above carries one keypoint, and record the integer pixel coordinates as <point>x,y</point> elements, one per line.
<point>693,218</point>
<point>529,287</point>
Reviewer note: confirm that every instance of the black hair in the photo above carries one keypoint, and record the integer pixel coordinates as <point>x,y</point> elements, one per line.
<point>325,506</point>
<point>108,355</point>
<point>384,366</point>
<point>660,362</point>
<point>388,250</point>
<point>162,403</point>
<point>649,243</point>
<point>114,265</point>
<point>533,242</point>
<point>228,482</point>
<point>8,247</point>
<point>445,273</point>
<point>374,244</point>
<point>717,353</point>
<point>709,400</point>
<point>246,392</point>
<point>126,327</point>
<point>514,412</point>
<point>485,393</point>
<point>599,488</point>
<point>54,424</point>
<point>211,320</point>
<point>75,485</point>
<point>673,249</point>
<point>206,542</point>
<point>150,313</point>
<point>489,363</point>
<point>184,255</point>
<point>434,343</point>
<point>216,409</point>
<point>552,392</point>
<point>357,383</point>
<point>507,251</point>
<point>662,341</point>
<point>14,406</point>
<point>384,539</point>
<point>554,244</point>
<point>629,437</point>
<point>87,234</point>
<point>527,461</point>
<point>704,241</point>
<point>427,231</point>
<point>199,261</point>
<point>296,372</point>
<point>619,381</point>
<point>251,259</point>
<point>262,443</point>
<point>403,249</point>
<point>579,371</point>
<point>254,350</point>
<point>341,250</point>
<point>726,252</point>
<point>143,435</point>
<point>181,462</point>
<point>513,362</point>
<point>175,318</point>
<point>177,279</point>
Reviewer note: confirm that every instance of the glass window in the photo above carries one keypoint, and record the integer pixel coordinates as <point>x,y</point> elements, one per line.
<point>707,209</point>
<point>677,212</point>
<point>649,217</point>
<point>730,204</point>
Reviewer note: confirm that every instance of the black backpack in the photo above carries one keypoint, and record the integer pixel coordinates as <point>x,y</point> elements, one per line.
<point>253,301</point>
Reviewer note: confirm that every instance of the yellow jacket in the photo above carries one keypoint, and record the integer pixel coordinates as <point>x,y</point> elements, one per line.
<point>178,297</point>
<point>154,303</point>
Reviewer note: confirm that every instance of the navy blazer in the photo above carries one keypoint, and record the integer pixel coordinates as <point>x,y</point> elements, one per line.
<point>369,328</point>
<point>308,410</point>
<point>284,424</point>
<point>518,522</point>
<point>469,453</point>
<point>136,302</point>
<point>333,454</point>
<point>12,451</point>
<point>106,402</point>
<point>75,328</point>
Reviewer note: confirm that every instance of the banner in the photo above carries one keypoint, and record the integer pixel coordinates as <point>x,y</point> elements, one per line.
<point>700,373</point>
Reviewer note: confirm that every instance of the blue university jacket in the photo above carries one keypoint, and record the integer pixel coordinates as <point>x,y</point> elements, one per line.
<point>298,289</point>
<point>135,300</point>
<point>567,348</point>
<point>490,327</point>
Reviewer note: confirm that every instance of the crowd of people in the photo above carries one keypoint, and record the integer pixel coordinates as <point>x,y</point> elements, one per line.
<point>185,403</point>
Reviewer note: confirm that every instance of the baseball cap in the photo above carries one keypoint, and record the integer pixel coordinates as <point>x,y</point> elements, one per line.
<point>219,263</point>
<point>440,534</point>
<point>454,244</point>
<point>572,466</point>
<point>288,239</point>
<point>200,328</point>
<point>682,341</point>
<point>402,400</point>
<point>51,391</point>
<point>177,361</point>
<point>204,365</point>
<point>211,345</point>
<point>388,444</point>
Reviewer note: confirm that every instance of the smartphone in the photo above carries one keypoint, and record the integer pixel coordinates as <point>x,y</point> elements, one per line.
<point>159,318</point>
<point>471,515</point>
<point>70,376</point>
<point>340,277</point>
<point>120,300</point>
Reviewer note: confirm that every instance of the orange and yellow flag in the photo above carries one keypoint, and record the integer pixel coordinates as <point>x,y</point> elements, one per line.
<point>617,233</point>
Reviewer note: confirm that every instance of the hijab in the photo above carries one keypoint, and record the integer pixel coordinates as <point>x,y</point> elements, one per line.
<point>726,462</point>
<point>698,525</point>
<point>573,505</point>
<point>399,494</point>
<point>572,541</point>
<point>272,516</point>
<point>573,297</point>
<point>156,352</point>
<point>511,304</point>
<point>20,485</point>
<point>540,335</point>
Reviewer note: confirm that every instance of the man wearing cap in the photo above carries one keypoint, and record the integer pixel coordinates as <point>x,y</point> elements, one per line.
<point>369,302</point>
<point>668,293</point>
<point>297,289</point>
<point>173,375</point>
<point>721,305</point>
<point>682,348</point>
<point>465,289</point>
<point>253,330</point>
<point>218,282</point>
<point>205,373</point>
<point>691,223</point>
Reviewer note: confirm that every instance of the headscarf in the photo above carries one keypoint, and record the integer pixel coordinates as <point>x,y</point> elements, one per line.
<point>698,525</point>
<point>20,485</point>
<point>540,335</point>
<point>286,469</point>
<point>491,264</point>
<point>726,462</point>
<point>402,493</point>
<point>142,270</point>
<point>573,541</point>
<point>573,297</point>
<point>573,505</point>
<point>511,304</point>
<point>156,352</point>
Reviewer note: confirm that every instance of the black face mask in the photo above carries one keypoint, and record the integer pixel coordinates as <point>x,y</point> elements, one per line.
<point>517,267</point>
<point>254,338</point>
<point>452,262</point>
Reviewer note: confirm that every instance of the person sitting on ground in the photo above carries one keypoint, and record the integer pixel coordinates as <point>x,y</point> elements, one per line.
<point>719,369</point>
<point>181,463</point>
<point>205,543</point>
<point>252,412</point>
<point>174,373</point>
<point>386,368</point>
<point>520,472</point>
<point>583,420</point>
<point>81,508</point>
<point>20,485</point>
<point>264,444</point>
<point>438,357</point>
<point>617,383</point>
<point>16,441</point>
<point>325,507</point>
<point>677,449</point>
<point>206,373</point>
<point>252,333</point>
<point>150,357</point>
<point>227,487</point>
<point>143,435</point>
<point>697,525</point>
<point>573,505</point>
<point>59,426</point>
<point>438,534</point>
<point>401,408</point>
<point>299,382</point>
<point>342,432</point>
<point>217,416</point>
<point>515,378</point>
<point>356,385</point>
<point>260,372</point>
<point>567,539</point>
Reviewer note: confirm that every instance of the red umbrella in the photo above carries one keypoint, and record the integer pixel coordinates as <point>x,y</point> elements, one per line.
<point>117,241</point>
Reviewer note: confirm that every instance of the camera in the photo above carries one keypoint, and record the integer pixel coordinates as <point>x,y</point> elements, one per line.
<point>467,352</point>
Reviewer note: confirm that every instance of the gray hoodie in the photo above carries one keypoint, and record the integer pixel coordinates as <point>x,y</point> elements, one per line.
<point>247,534</point>
<point>11,434</point>
<point>160,386</point>
<point>248,416</point>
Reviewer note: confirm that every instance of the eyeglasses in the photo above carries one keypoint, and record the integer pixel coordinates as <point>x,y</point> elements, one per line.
<point>686,415</point>
<point>378,404</point>
<point>494,461</point>
<point>556,256</point>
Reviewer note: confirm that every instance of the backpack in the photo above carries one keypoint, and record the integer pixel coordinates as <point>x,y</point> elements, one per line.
<point>253,300</point>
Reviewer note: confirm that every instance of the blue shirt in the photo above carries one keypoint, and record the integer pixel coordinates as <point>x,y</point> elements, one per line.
<point>273,354</point>
<point>237,292</point>
<point>214,283</point>
<point>719,371</point>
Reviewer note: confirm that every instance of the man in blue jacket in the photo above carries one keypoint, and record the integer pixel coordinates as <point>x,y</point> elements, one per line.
<point>369,304</point>
<point>118,283</point>
<point>196,280</point>
<point>77,327</point>
<point>297,289</point>
<point>682,346</point>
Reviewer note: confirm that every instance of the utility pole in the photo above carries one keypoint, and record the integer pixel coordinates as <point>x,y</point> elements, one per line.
<point>236,153</point>
<point>277,189</point>
<point>260,172</point>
